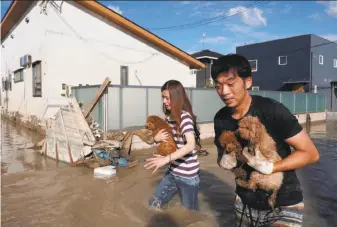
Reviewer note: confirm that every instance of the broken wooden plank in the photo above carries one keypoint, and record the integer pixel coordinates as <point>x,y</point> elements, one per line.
<point>66,135</point>
<point>99,94</point>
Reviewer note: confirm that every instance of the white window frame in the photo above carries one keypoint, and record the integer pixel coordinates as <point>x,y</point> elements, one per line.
<point>18,75</point>
<point>319,59</point>
<point>37,79</point>
<point>256,64</point>
<point>279,60</point>
<point>335,63</point>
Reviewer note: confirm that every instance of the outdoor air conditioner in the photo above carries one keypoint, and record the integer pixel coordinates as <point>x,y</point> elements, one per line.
<point>256,88</point>
<point>25,60</point>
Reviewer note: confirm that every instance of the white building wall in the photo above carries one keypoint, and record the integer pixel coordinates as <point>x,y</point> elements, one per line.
<point>77,47</point>
<point>26,40</point>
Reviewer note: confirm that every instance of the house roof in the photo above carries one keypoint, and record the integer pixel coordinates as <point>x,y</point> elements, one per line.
<point>207,54</point>
<point>18,8</point>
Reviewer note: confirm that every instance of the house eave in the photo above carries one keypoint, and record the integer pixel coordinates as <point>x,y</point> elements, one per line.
<point>18,8</point>
<point>12,17</point>
<point>99,9</point>
<point>296,82</point>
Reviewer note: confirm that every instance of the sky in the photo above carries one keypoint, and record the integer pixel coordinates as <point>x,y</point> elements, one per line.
<point>220,26</point>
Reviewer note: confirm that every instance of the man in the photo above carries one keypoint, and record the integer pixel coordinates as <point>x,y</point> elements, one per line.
<point>232,76</point>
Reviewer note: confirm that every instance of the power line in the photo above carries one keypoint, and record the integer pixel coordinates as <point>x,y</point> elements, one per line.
<point>106,55</point>
<point>210,20</point>
<point>201,22</point>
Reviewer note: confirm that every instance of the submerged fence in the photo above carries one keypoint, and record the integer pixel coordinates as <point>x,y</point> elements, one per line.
<point>125,107</point>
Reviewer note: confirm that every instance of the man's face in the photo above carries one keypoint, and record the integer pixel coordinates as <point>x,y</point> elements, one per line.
<point>231,88</point>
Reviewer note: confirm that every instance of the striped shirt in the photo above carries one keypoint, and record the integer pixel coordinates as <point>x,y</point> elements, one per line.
<point>188,165</point>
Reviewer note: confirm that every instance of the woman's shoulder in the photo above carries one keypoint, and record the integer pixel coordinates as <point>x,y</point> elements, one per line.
<point>185,114</point>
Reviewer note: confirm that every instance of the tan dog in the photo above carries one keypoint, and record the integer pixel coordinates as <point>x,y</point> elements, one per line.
<point>232,147</point>
<point>250,128</point>
<point>155,123</point>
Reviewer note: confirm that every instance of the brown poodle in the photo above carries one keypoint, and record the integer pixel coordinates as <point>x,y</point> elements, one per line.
<point>231,145</point>
<point>251,129</point>
<point>155,123</point>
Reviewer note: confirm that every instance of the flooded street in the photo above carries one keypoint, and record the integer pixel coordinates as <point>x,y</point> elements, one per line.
<point>37,191</point>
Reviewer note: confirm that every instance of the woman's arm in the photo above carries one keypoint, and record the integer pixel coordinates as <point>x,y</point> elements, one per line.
<point>184,150</point>
<point>187,130</point>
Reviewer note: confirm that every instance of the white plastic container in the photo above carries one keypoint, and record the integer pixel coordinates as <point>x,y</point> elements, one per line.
<point>105,171</point>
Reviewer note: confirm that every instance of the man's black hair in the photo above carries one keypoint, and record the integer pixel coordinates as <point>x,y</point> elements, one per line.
<point>229,62</point>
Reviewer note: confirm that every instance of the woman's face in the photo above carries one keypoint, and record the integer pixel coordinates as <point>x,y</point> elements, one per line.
<point>166,99</point>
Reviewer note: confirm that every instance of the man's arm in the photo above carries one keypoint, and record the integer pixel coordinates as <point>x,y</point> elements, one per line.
<point>305,153</point>
<point>290,131</point>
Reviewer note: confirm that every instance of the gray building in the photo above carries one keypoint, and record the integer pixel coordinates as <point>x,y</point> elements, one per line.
<point>207,57</point>
<point>305,63</point>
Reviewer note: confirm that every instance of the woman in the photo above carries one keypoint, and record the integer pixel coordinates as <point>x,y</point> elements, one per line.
<point>183,172</point>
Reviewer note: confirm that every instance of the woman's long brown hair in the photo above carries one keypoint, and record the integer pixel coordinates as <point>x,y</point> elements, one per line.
<point>179,102</point>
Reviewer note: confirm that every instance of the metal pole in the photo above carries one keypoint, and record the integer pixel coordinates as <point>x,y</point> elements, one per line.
<point>147,102</point>
<point>294,106</point>
<point>120,108</point>
<point>306,103</point>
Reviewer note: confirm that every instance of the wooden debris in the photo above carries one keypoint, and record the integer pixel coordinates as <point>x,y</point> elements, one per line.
<point>68,134</point>
<point>99,94</point>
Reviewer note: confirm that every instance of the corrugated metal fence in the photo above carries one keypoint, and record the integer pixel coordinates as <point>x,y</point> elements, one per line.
<point>126,107</point>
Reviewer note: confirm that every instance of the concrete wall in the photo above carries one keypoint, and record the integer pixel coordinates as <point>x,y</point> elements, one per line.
<point>79,47</point>
<point>207,130</point>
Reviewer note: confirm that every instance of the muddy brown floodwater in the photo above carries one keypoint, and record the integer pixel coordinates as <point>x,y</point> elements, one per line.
<point>36,191</point>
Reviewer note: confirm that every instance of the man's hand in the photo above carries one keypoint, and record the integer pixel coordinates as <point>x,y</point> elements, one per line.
<point>256,162</point>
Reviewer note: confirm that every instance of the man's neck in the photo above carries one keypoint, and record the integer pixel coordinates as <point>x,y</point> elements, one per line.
<point>241,110</point>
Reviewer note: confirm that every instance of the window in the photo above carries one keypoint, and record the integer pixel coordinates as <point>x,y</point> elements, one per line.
<point>18,75</point>
<point>255,88</point>
<point>282,60</point>
<point>124,75</point>
<point>321,59</point>
<point>253,65</point>
<point>37,79</point>
<point>335,63</point>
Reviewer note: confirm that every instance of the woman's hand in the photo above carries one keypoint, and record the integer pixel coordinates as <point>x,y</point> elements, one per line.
<point>162,135</point>
<point>157,162</point>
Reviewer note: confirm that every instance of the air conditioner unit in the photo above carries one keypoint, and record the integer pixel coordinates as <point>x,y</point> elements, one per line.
<point>255,88</point>
<point>25,60</point>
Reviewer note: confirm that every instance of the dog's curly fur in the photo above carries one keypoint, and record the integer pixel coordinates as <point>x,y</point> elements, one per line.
<point>156,123</point>
<point>231,145</point>
<point>251,129</point>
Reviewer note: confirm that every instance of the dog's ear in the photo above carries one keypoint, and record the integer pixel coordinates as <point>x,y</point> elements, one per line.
<point>256,131</point>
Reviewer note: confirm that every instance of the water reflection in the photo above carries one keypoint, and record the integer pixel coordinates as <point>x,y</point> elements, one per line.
<point>320,180</point>
<point>14,157</point>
